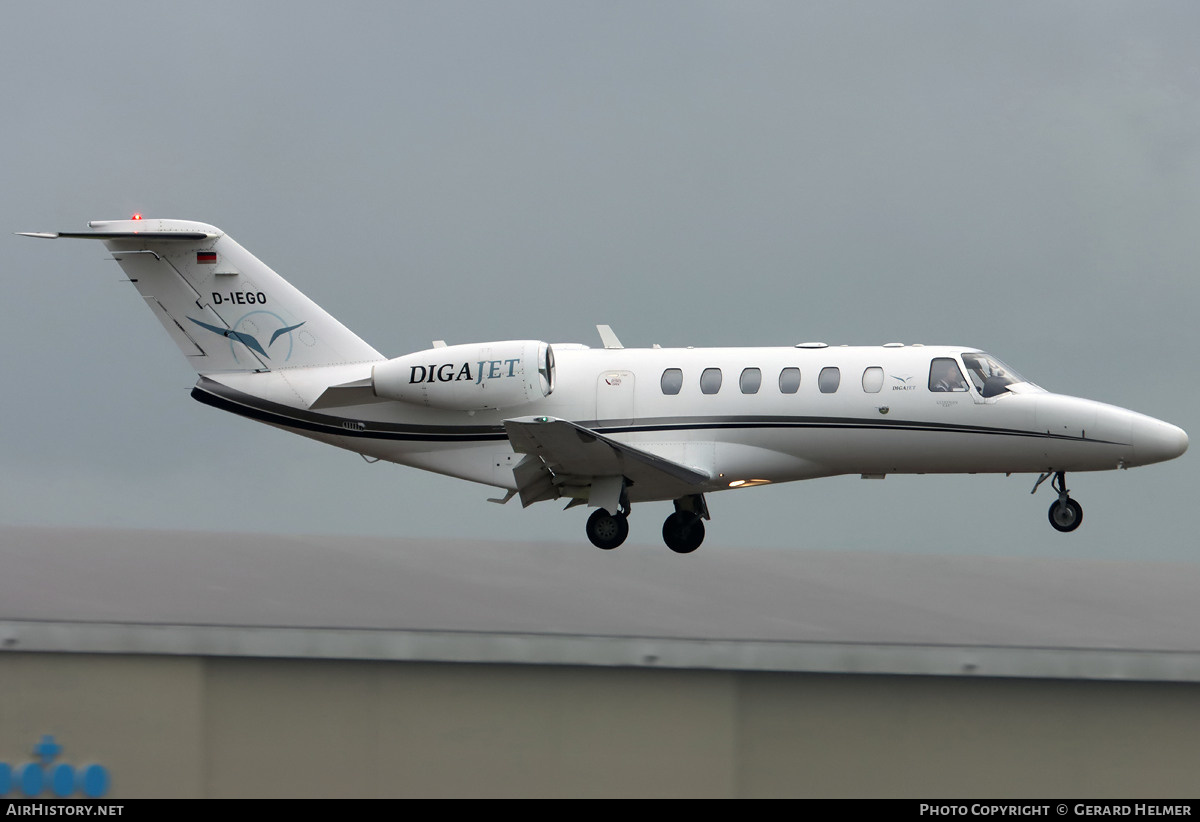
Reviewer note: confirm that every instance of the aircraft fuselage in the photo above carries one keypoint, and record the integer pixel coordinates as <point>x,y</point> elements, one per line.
<point>739,428</point>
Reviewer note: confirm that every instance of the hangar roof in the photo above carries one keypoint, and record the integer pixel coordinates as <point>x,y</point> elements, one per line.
<point>77,590</point>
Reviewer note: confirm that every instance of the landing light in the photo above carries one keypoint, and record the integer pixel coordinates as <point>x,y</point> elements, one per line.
<point>747,483</point>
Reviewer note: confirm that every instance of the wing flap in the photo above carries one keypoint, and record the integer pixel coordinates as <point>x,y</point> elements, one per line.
<point>562,454</point>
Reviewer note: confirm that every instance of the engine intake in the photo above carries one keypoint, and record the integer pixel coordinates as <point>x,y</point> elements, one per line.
<point>473,377</point>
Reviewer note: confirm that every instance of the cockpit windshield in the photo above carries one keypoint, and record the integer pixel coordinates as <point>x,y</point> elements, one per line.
<point>989,376</point>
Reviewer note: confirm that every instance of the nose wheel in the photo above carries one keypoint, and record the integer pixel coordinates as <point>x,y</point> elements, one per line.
<point>1065,513</point>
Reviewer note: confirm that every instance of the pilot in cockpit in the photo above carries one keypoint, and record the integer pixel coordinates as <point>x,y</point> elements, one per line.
<point>945,376</point>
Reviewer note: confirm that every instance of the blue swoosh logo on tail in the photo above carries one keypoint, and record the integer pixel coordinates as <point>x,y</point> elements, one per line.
<point>245,339</point>
<point>283,331</point>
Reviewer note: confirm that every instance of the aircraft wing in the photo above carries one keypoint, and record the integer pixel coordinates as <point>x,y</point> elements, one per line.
<point>562,455</point>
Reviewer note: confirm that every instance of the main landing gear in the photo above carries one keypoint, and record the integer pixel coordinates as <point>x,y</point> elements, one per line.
<point>607,531</point>
<point>682,532</point>
<point>1065,513</point>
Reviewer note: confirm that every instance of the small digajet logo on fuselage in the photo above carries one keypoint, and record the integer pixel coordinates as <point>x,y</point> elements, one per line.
<point>244,330</point>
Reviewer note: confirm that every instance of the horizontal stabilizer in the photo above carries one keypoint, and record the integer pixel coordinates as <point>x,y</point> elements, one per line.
<point>158,236</point>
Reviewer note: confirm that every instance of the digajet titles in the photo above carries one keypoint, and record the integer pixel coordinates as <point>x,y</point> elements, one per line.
<point>450,372</point>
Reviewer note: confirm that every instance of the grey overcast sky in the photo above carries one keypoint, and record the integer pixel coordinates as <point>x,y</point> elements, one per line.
<point>1020,176</point>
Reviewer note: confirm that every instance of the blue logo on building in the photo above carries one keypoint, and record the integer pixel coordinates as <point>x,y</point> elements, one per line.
<point>62,780</point>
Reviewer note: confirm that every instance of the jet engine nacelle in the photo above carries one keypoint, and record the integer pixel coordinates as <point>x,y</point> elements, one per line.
<point>469,377</point>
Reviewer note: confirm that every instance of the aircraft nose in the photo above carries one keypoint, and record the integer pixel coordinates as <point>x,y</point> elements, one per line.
<point>1157,441</point>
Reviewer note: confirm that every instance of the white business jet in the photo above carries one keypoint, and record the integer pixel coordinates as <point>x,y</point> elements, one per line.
<point>612,426</point>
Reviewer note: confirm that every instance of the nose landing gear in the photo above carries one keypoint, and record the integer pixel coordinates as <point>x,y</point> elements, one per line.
<point>1065,513</point>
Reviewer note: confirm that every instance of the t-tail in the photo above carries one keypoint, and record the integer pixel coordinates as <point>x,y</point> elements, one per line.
<point>223,307</point>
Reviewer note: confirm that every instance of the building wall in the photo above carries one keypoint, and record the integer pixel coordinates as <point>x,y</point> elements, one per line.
<point>141,717</point>
<point>239,727</point>
<point>916,736</point>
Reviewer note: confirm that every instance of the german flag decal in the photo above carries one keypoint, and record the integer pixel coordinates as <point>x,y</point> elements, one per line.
<point>206,257</point>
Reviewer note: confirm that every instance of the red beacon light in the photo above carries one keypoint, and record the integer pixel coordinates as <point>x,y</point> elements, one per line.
<point>136,216</point>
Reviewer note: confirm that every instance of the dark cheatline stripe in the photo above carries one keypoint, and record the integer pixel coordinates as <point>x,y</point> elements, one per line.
<point>213,393</point>
<point>220,396</point>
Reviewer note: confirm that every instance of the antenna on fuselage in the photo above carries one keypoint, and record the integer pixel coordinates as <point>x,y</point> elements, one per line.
<point>608,337</point>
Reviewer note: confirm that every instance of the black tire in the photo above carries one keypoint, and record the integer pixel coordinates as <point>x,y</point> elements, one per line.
<point>1066,517</point>
<point>683,532</point>
<point>605,530</point>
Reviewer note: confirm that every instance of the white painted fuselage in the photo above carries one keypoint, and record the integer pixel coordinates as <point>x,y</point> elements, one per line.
<point>754,436</point>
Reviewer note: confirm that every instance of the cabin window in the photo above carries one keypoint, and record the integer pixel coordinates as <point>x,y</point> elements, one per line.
<point>710,381</point>
<point>672,381</point>
<point>873,379</point>
<point>751,380</point>
<point>829,379</point>
<point>789,381</point>
<point>944,375</point>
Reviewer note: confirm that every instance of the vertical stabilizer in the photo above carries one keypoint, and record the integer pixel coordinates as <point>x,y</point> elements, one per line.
<point>223,307</point>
